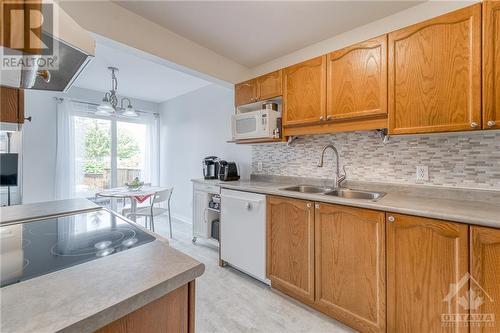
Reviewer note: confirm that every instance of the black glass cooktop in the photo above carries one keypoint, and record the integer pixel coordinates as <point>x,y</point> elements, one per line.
<point>39,247</point>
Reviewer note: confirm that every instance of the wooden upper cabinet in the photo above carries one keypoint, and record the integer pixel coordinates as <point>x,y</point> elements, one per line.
<point>350,265</point>
<point>11,105</point>
<point>304,92</point>
<point>270,85</point>
<point>290,246</point>
<point>424,257</point>
<point>357,80</point>
<point>259,89</point>
<point>246,92</point>
<point>491,64</point>
<point>485,271</point>
<point>435,74</point>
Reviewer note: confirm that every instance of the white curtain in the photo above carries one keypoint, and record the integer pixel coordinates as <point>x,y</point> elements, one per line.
<point>65,156</point>
<point>152,152</point>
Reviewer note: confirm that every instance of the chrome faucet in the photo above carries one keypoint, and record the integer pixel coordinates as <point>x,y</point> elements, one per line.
<point>338,177</point>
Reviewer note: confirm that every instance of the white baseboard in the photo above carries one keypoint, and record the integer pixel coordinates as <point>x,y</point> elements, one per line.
<point>182,218</point>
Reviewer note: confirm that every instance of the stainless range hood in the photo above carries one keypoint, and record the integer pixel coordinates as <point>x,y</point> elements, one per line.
<point>72,62</point>
<point>74,48</point>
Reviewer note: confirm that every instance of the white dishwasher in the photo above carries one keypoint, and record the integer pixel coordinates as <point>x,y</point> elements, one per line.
<point>243,232</point>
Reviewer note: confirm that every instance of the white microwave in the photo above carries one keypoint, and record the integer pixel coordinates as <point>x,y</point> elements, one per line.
<point>255,124</point>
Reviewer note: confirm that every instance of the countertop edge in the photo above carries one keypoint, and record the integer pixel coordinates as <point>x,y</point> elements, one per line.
<point>376,205</point>
<point>117,311</point>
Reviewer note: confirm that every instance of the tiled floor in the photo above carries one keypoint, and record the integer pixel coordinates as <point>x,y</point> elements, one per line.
<point>230,301</point>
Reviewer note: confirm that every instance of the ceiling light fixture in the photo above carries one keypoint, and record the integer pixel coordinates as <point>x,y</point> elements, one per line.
<point>109,103</point>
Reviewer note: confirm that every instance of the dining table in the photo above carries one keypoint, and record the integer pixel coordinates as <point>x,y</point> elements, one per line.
<point>135,195</point>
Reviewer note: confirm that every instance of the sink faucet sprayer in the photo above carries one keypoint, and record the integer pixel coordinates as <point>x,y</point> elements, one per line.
<point>338,177</point>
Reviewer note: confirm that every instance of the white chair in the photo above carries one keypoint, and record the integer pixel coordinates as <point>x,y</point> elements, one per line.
<point>149,212</point>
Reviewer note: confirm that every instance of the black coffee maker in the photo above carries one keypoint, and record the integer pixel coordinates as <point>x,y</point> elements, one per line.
<point>211,167</point>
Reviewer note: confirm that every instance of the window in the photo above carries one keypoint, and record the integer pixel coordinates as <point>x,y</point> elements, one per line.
<point>92,155</point>
<point>131,152</point>
<point>103,152</point>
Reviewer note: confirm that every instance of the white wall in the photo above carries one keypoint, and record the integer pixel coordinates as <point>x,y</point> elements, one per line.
<point>194,126</point>
<point>39,139</point>
<point>39,146</point>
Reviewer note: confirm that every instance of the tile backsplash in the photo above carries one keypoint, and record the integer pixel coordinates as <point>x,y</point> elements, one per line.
<point>454,160</point>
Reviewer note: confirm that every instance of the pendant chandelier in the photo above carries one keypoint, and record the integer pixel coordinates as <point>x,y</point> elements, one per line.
<point>109,105</point>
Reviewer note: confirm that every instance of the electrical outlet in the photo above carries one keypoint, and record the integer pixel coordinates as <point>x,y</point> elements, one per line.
<point>422,172</point>
<point>259,166</point>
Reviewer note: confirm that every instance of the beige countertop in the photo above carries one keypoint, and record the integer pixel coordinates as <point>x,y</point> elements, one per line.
<point>16,213</point>
<point>460,205</point>
<point>87,296</point>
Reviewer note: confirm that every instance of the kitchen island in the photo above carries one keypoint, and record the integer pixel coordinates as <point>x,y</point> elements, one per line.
<point>149,287</point>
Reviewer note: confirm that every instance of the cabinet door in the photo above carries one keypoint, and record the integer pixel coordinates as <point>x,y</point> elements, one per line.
<point>270,85</point>
<point>425,258</point>
<point>435,74</point>
<point>491,64</point>
<point>12,105</point>
<point>290,247</point>
<point>485,270</point>
<point>246,92</point>
<point>357,80</point>
<point>304,92</point>
<point>200,224</point>
<point>350,265</point>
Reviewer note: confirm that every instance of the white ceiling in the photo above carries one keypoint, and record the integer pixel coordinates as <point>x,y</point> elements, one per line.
<point>138,76</point>
<point>255,32</point>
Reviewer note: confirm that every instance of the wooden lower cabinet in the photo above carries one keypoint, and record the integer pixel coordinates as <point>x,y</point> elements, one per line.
<point>290,247</point>
<point>173,313</point>
<point>384,272</point>
<point>424,257</point>
<point>485,271</point>
<point>350,265</point>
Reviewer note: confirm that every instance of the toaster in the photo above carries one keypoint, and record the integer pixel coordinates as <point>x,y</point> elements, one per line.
<point>228,171</point>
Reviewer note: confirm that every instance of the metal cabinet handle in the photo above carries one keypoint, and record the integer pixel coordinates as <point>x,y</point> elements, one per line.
<point>473,124</point>
<point>391,218</point>
<point>308,205</point>
<point>329,117</point>
<point>316,206</point>
<point>321,118</point>
<point>491,123</point>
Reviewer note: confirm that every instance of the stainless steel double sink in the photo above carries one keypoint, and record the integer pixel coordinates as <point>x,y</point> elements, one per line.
<point>340,192</point>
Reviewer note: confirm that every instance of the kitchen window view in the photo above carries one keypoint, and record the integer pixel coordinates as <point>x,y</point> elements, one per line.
<point>105,157</point>
<point>108,151</point>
